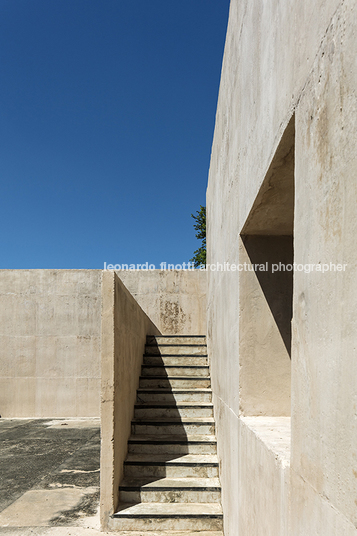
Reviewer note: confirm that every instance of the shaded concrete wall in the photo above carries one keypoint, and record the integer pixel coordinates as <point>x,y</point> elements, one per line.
<point>124,330</point>
<point>50,343</point>
<point>281,58</point>
<point>174,300</point>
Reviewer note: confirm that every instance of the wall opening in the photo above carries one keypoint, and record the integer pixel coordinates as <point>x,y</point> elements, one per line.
<point>266,295</point>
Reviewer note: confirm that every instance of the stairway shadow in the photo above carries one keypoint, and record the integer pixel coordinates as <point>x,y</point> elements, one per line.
<point>171,470</point>
<point>154,410</point>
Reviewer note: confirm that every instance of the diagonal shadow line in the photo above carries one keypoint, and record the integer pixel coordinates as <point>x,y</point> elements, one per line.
<point>277,287</point>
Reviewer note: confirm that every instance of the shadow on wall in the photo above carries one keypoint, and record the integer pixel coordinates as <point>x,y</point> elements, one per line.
<point>268,233</point>
<point>277,287</point>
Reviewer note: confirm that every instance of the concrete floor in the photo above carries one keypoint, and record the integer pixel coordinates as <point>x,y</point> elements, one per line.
<point>49,477</point>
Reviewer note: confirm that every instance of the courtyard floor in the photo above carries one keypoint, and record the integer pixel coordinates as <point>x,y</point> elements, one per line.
<point>49,477</point>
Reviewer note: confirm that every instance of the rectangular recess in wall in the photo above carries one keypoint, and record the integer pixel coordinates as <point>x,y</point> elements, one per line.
<point>266,297</point>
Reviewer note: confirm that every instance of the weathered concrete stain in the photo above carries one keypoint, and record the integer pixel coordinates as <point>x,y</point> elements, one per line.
<point>172,316</point>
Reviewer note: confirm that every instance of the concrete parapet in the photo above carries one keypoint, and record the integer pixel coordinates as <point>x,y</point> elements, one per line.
<point>124,330</point>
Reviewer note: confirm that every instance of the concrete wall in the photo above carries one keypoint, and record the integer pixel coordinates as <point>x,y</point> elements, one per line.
<point>50,343</point>
<point>124,330</point>
<point>283,58</point>
<point>50,333</point>
<point>174,300</point>
<point>324,390</point>
<point>263,463</point>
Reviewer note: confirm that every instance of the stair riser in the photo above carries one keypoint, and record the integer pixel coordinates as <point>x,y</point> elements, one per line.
<point>147,448</point>
<point>170,471</point>
<point>154,413</point>
<point>176,350</point>
<point>151,524</point>
<point>198,361</point>
<point>175,340</point>
<point>175,429</point>
<point>172,496</point>
<point>173,383</point>
<point>199,397</point>
<point>175,371</point>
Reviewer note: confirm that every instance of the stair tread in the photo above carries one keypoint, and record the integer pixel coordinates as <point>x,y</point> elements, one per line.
<point>175,390</point>
<point>176,420</point>
<point>171,336</point>
<point>174,405</point>
<point>175,355</point>
<point>180,345</point>
<point>169,509</point>
<point>171,438</point>
<point>174,377</point>
<point>170,533</point>
<point>172,459</point>
<point>162,365</point>
<point>168,483</point>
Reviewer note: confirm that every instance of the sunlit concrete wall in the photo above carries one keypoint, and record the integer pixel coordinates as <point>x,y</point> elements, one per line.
<point>287,63</point>
<point>174,300</point>
<point>50,343</point>
<point>50,333</point>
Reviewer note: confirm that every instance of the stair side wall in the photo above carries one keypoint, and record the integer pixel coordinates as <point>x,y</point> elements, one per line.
<point>124,330</point>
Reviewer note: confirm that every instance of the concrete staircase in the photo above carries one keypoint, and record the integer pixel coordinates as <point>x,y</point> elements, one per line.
<point>171,480</point>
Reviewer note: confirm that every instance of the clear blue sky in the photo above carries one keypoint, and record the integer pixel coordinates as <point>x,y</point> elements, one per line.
<point>107,111</point>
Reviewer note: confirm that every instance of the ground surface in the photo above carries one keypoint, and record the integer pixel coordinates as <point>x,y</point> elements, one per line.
<point>49,479</point>
<point>49,476</point>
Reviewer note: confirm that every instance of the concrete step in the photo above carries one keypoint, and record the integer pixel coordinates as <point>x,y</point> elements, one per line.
<point>172,410</point>
<point>165,349</point>
<point>171,482</point>
<point>180,360</point>
<point>170,466</point>
<point>174,395</point>
<point>170,490</point>
<point>168,516</point>
<point>169,533</point>
<point>175,370</point>
<point>174,382</point>
<point>171,444</point>
<point>182,426</point>
<point>175,339</point>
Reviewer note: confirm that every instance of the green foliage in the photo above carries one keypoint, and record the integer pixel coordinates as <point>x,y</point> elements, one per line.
<point>199,257</point>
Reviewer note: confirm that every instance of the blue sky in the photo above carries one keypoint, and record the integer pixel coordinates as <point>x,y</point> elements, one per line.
<point>107,112</point>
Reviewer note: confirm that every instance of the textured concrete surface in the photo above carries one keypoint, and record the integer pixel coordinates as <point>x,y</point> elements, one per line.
<point>174,300</point>
<point>125,327</point>
<point>283,62</point>
<point>50,343</point>
<point>50,333</point>
<point>264,465</point>
<point>265,335</point>
<point>49,478</point>
<point>49,475</point>
<point>324,388</point>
